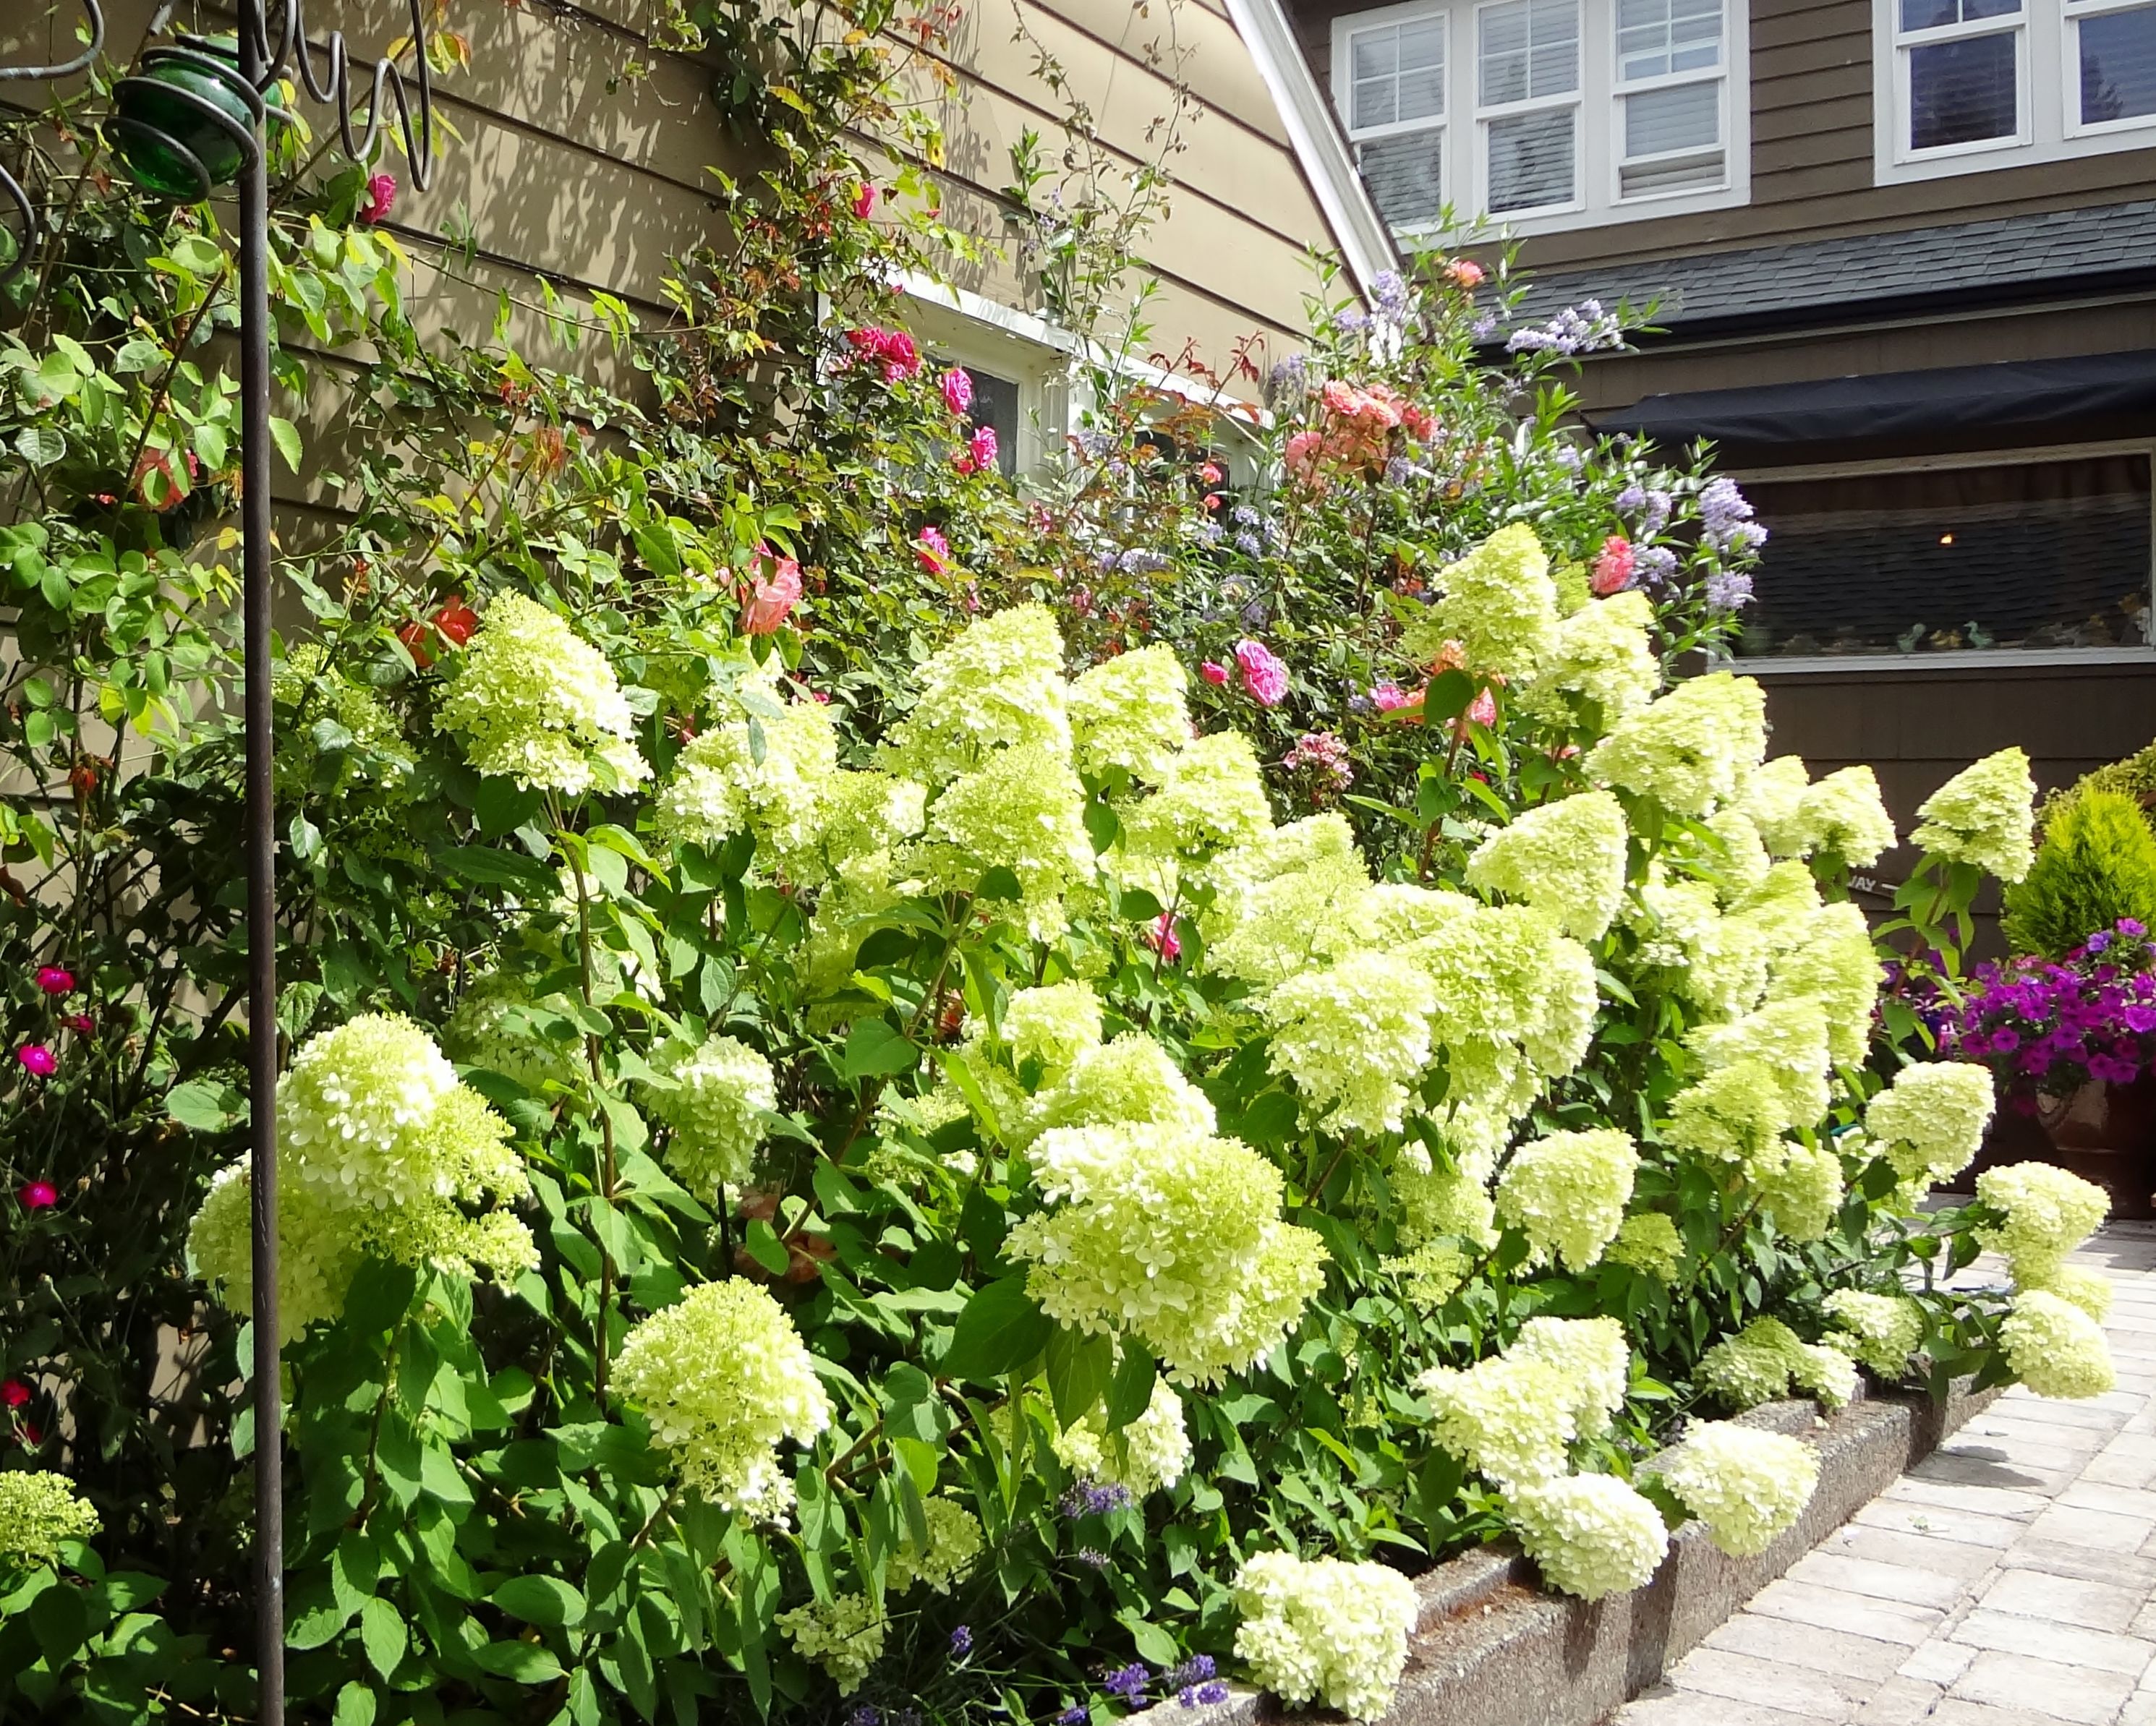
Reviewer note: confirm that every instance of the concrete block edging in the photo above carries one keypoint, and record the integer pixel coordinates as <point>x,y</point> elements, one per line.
<point>1491,1648</point>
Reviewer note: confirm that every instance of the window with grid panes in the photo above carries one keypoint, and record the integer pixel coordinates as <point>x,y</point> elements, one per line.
<point>1544,113</point>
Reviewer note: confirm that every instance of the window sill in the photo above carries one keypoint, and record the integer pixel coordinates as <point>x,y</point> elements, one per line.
<point>1953,659</point>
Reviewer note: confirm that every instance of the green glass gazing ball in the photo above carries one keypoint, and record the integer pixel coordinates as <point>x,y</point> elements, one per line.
<point>157,120</point>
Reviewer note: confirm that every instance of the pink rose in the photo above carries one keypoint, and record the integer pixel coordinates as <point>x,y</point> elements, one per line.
<point>1264,677</point>
<point>1465,272</point>
<point>1613,567</point>
<point>1302,452</point>
<point>1214,671</point>
<point>979,455</point>
<point>957,389</point>
<point>865,202</point>
<point>1210,473</point>
<point>1388,695</point>
<point>933,550</point>
<point>54,979</point>
<point>38,1194</point>
<point>775,591</point>
<point>13,1393</point>
<point>36,1058</point>
<point>1162,939</point>
<point>1482,710</point>
<point>380,197</point>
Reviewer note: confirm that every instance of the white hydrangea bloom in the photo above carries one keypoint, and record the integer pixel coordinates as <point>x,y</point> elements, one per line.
<point>724,1379</point>
<point>1566,858</point>
<point>1883,1330</point>
<point>2048,1213</point>
<point>1131,712</point>
<point>1748,1486</point>
<point>955,1545</point>
<point>1835,965</point>
<point>718,1093</point>
<point>1153,1453</point>
<point>1354,1037</point>
<point>2055,1348</point>
<point>1691,750</point>
<point>1511,1418</point>
<point>1772,794</point>
<point>1602,652</point>
<point>1212,797</point>
<point>1323,1629</point>
<point>1983,815</point>
<point>537,704</point>
<point>1567,1193</point>
<point>1287,901</point>
<point>39,1513</point>
<point>1931,1120</point>
<point>1594,1353</point>
<point>997,685</point>
<point>1054,1025</point>
<point>1591,1534</point>
<point>1788,1038</point>
<point>1844,814</point>
<point>844,1636</point>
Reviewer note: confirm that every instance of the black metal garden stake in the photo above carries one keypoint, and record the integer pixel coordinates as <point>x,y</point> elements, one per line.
<point>190,121</point>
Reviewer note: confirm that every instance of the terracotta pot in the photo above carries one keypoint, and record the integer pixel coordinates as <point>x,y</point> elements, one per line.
<point>2104,1133</point>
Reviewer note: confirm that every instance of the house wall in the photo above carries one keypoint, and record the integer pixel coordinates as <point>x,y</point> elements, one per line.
<point>1812,158</point>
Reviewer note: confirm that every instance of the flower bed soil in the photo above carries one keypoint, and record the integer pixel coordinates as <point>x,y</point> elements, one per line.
<point>1491,1648</point>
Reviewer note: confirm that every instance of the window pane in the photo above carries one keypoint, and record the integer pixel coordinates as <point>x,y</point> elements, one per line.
<point>2045,555</point>
<point>1928,14</point>
<point>1375,104</point>
<point>1422,69</point>
<point>1962,92</point>
<point>1405,175</point>
<point>1530,48</point>
<point>1376,54</point>
<point>2119,65</point>
<point>1531,161</point>
<point>1687,117</point>
<point>995,403</point>
<point>1655,37</point>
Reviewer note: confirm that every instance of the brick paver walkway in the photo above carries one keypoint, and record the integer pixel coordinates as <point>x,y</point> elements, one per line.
<point>2006,1580</point>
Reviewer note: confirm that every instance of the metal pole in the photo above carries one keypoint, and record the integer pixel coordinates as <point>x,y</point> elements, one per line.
<point>261,887</point>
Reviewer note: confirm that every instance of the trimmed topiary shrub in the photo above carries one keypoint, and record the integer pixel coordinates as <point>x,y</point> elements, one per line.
<point>2098,864</point>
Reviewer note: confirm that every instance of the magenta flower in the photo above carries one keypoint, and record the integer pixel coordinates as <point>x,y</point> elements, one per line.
<point>934,550</point>
<point>1613,566</point>
<point>80,1023</point>
<point>775,589</point>
<point>1482,710</point>
<point>381,198</point>
<point>1264,677</point>
<point>981,448</point>
<point>865,202</point>
<point>957,389</point>
<point>1388,695</point>
<point>1162,939</point>
<point>1214,671</point>
<point>13,1393</point>
<point>38,1194</point>
<point>55,980</point>
<point>36,1058</point>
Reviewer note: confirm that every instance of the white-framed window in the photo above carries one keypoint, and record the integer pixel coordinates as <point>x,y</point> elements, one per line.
<point>1967,85</point>
<point>1547,115</point>
<point>1021,382</point>
<point>2036,556</point>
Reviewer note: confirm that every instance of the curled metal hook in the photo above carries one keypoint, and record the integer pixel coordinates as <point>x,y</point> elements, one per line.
<point>332,86</point>
<point>10,188</point>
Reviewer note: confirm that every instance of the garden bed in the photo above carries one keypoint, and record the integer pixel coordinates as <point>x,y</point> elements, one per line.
<point>1493,1649</point>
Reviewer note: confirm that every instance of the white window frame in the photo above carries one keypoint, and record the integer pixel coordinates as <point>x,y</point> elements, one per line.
<point>1769,664</point>
<point>1597,138</point>
<point>2048,67</point>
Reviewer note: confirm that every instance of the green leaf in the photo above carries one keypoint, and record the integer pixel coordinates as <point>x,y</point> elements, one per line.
<point>1438,1485</point>
<point>541,1599</point>
<point>1000,1331</point>
<point>355,1706</point>
<point>205,1105</point>
<point>383,1634</point>
<point>1151,1642</point>
<point>1000,883</point>
<point>520,1663</point>
<point>1130,1390</point>
<point>1079,1368</point>
<point>286,436</point>
<point>1448,696</point>
<point>767,1249</point>
<point>875,1050</point>
<point>40,446</point>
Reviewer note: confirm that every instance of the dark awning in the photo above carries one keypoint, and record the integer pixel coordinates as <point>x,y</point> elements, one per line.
<point>1890,405</point>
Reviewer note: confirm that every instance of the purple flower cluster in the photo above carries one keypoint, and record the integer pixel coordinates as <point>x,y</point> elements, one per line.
<point>1725,590</point>
<point>1128,1682</point>
<point>1090,1499</point>
<point>1725,518</point>
<point>1582,329</point>
<point>1289,380</point>
<point>1389,294</point>
<point>1196,1682</point>
<point>1653,564</point>
<point>2058,1023</point>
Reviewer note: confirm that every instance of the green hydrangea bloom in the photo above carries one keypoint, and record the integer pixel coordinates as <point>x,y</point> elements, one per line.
<point>1690,750</point>
<point>379,1152</point>
<point>1881,1331</point>
<point>2048,1213</point>
<point>376,755</point>
<point>1286,901</point>
<point>2084,1286</point>
<point>1590,1534</point>
<point>1053,1024</point>
<point>1212,797</point>
<point>997,685</point>
<point>1603,653</point>
<point>724,1379</point>
<point>1649,1242</point>
<point>484,1031</point>
<point>1803,1192</point>
<point>1149,1454</point>
<point>1498,602</point>
<point>1781,906</point>
<point>1743,861</point>
<point>955,1544</point>
<point>1843,815</point>
<point>1431,1274</point>
<point>40,1512</point>
<point>1835,965</point>
<point>1735,1114</point>
<point>1565,858</point>
<point>714,1097</point>
<point>1510,1418</point>
<point>764,765</point>
<point>1931,1120</point>
<point>1748,1486</point>
<point>1983,815</point>
<point>1772,794</point>
<point>1169,1237</point>
<point>1567,1194</point>
<point>1324,1629</point>
<point>1753,1366</point>
<point>1024,811</point>
<point>536,704</point>
<point>1456,1202</point>
<point>1596,1357</point>
<point>2055,1348</point>
<point>1131,1080</point>
<point>1354,1037</point>
<point>1131,712</point>
<point>843,1634</point>
<point>1788,1038</point>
